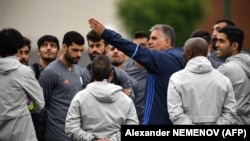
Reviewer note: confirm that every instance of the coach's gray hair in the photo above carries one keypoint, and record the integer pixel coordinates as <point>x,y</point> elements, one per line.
<point>167,30</point>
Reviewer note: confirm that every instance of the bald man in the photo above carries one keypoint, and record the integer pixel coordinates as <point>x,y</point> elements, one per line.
<point>199,94</point>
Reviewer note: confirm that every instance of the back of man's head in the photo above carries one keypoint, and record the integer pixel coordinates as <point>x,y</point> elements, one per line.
<point>101,67</point>
<point>194,47</point>
<point>11,41</point>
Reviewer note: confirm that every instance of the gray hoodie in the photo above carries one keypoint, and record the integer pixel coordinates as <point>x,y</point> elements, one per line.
<point>237,69</point>
<point>99,111</point>
<point>18,82</point>
<point>199,94</point>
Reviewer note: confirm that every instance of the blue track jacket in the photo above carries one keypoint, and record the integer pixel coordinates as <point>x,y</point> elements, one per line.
<point>160,66</point>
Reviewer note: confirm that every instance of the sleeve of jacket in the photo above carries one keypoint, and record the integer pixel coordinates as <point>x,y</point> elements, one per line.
<point>73,122</point>
<point>33,90</point>
<point>152,60</point>
<point>228,113</point>
<point>116,136</point>
<point>174,106</point>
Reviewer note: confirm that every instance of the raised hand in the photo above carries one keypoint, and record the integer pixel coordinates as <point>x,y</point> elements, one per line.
<point>96,26</point>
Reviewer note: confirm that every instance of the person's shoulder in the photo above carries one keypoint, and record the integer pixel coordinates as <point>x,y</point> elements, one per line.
<point>34,66</point>
<point>119,71</point>
<point>25,68</point>
<point>86,69</point>
<point>52,68</point>
<point>179,75</point>
<point>229,66</point>
<point>129,64</point>
<point>176,50</point>
<point>125,98</point>
<point>82,93</point>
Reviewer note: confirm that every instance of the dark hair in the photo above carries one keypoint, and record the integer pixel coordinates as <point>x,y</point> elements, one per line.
<point>203,34</point>
<point>141,34</point>
<point>101,67</point>
<point>48,38</point>
<point>228,22</point>
<point>94,37</point>
<point>11,41</point>
<point>234,34</point>
<point>73,37</point>
<point>26,42</point>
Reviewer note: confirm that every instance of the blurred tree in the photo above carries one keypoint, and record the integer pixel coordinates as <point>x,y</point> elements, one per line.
<point>182,15</point>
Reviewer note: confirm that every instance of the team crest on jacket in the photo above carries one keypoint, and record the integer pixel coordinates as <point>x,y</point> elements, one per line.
<point>66,81</point>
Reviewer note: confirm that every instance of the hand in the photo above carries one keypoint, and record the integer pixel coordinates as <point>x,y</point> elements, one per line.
<point>103,139</point>
<point>96,26</point>
<point>127,91</point>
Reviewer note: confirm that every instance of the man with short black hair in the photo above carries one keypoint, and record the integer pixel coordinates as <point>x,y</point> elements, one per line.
<point>213,57</point>
<point>236,68</point>
<point>60,81</point>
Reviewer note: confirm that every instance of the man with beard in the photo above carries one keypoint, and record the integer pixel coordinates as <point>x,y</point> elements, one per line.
<point>60,81</point>
<point>48,50</point>
<point>98,46</point>
<point>213,57</point>
<point>24,52</point>
<point>236,68</point>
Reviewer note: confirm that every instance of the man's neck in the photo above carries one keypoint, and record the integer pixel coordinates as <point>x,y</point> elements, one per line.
<point>44,63</point>
<point>65,63</point>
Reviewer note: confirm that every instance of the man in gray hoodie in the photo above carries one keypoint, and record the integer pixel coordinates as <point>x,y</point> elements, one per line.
<point>18,83</point>
<point>236,68</point>
<point>98,111</point>
<point>199,94</point>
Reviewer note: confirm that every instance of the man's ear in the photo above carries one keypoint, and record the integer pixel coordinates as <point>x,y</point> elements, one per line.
<point>235,46</point>
<point>59,52</point>
<point>38,52</point>
<point>63,50</point>
<point>107,49</point>
<point>190,54</point>
<point>110,78</point>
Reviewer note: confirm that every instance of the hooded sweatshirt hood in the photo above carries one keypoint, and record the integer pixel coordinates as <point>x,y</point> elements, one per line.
<point>106,93</point>
<point>243,60</point>
<point>9,64</point>
<point>199,64</point>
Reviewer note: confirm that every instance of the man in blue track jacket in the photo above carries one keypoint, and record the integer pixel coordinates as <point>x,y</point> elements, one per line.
<point>161,61</point>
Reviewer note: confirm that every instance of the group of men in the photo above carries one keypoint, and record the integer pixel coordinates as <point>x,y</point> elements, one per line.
<point>160,85</point>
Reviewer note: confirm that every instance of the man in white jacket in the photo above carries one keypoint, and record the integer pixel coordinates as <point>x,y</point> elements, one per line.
<point>98,111</point>
<point>199,94</point>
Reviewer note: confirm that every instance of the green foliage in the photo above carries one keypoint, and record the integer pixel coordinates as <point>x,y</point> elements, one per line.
<point>182,15</point>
